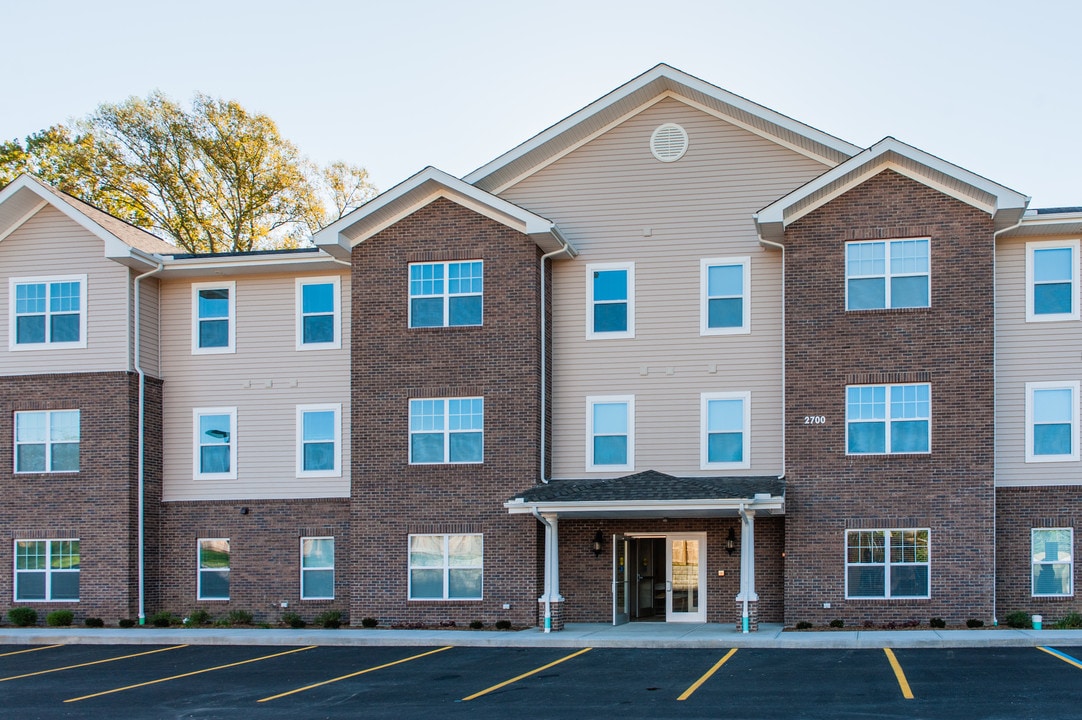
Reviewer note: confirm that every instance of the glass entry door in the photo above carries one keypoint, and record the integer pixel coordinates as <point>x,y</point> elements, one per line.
<point>621,581</point>
<point>685,560</point>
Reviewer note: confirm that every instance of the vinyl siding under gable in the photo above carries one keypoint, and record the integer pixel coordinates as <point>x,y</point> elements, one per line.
<point>265,380</point>
<point>616,203</point>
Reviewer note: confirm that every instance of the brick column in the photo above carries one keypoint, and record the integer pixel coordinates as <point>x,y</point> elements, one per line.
<point>557,609</point>
<point>753,618</point>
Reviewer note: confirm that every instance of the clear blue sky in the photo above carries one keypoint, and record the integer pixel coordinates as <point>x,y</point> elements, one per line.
<point>992,86</point>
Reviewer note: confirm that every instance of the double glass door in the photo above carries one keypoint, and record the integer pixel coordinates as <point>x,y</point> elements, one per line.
<point>640,592</point>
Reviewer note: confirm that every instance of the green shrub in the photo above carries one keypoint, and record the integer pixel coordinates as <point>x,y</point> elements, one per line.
<point>1019,619</point>
<point>476,624</point>
<point>937,622</point>
<point>240,617</point>
<point>60,618</point>
<point>125,622</point>
<point>974,623</point>
<point>23,616</point>
<point>369,622</point>
<point>1070,621</point>
<point>503,624</point>
<point>94,622</point>
<point>221,622</point>
<point>293,620</point>
<point>162,619</point>
<point>804,625</point>
<point>330,619</point>
<point>837,623</point>
<point>199,616</point>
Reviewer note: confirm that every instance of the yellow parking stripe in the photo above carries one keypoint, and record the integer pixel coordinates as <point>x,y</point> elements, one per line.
<point>717,666</point>
<point>20,652</point>
<point>505,683</point>
<point>189,674</point>
<point>902,682</point>
<point>352,675</point>
<point>1061,656</point>
<point>88,664</point>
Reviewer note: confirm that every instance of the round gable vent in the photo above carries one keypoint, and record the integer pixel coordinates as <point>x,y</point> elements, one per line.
<point>669,142</point>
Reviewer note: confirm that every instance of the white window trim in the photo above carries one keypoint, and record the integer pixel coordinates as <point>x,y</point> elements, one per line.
<point>888,420</point>
<point>446,567</point>
<point>83,312</point>
<point>1073,386</point>
<point>447,432</point>
<point>1070,564</point>
<point>1031,316</point>
<point>232,474</point>
<point>321,567</point>
<point>590,270</point>
<point>704,286</point>
<point>704,440</point>
<point>230,285</point>
<point>887,565</point>
<point>48,571</point>
<point>199,570</point>
<point>336,408</point>
<point>447,295</point>
<point>887,274</point>
<point>593,400</point>
<point>49,442</point>
<point>336,281</point>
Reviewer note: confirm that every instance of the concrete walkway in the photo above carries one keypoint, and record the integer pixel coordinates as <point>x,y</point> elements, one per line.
<point>575,635</point>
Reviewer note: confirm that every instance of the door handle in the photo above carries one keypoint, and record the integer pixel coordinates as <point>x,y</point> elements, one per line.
<point>668,586</point>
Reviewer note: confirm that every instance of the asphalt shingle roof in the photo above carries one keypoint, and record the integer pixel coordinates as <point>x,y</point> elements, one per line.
<point>652,485</point>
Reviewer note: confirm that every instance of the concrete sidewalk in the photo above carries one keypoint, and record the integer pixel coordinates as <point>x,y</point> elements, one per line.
<point>575,635</point>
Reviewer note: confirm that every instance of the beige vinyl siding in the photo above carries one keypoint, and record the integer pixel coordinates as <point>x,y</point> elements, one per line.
<point>149,355</point>
<point>264,380</point>
<point>1025,353</point>
<point>616,203</point>
<point>50,244</point>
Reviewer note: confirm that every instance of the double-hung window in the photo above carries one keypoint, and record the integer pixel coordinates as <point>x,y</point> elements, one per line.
<point>47,312</point>
<point>1052,280</point>
<point>610,288</point>
<point>888,419</point>
<point>725,296</point>
<point>446,294</point>
<point>445,567</point>
<point>215,443</point>
<point>47,441</point>
<point>317,568</point>
<point>319,440</point>
<point>214,317</point>
<point>725,438</point>
<point>46,570</point>
<point>610,432</point>
<point>447,430</point>
<point>1052,427</point>
<point>214,561</point>
<point>887,274</point>
<point>1052,569</point>
<point>887,564</point>
<point>318,313</point>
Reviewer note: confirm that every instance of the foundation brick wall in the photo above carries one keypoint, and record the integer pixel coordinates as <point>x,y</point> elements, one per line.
<point>392,363</point>
<point>1018,511</point>
<point>97,505</point>
<point>949,345</point>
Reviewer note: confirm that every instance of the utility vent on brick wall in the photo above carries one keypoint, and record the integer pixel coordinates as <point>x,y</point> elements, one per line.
<point>669,142</point>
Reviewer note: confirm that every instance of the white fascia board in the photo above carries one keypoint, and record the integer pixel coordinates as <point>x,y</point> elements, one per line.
<point>242,264</point>
<point>521,507</point>
<point>1034,225</point>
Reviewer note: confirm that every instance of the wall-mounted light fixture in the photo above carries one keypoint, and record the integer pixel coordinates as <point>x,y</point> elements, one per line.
<point>598,539</point>
<point>730,542</point>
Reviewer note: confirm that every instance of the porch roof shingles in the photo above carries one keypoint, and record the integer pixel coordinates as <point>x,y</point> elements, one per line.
<point>651,485</point>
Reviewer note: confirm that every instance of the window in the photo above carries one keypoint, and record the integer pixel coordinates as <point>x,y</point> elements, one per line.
<point>215,443</point>
<point>46,570</point>
<point>446,294</point>
<point>610,433</point>
<point>447,430</point>
<point>725,296</point>
<point>1053,561</point>
<point>214,317</point>
<point>319,440</point>
<point>886,564</point>
<point>317,568</point>
<point>319,312</point>
<point>445,567</point>
<point>1052,280</point>
<point>611,289</point>
<point>887,274</point>
<point>875,425</point>
<point>725,439</point>
<point>47,441</point>
<point>47,312</point>
<point>213,569</point>
<point>1052,421</point>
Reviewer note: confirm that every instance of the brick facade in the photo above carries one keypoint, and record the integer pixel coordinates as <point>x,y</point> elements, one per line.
<point>949,345</point>
<point>392,363</point>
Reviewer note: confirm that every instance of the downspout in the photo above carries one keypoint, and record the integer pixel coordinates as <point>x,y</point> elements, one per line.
<point>548,570</point>
<point>745,622</point>
<point>142,445</point>
<point>544,364</point>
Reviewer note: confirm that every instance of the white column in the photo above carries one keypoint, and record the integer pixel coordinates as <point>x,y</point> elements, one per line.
<point>747,563</point>
<point>552,557</point>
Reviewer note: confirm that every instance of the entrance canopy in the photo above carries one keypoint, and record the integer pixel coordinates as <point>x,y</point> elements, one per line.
<point>652,494</point>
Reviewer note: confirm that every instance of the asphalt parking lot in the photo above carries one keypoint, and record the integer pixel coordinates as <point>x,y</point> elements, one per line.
<point>182,681</point>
